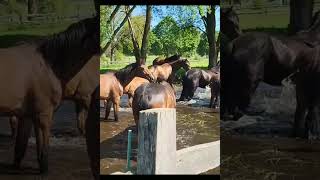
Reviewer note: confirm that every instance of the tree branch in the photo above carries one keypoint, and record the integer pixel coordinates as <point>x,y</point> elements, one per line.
<point>144,44</point>
<point>118,29</point>
<point>114,12</point>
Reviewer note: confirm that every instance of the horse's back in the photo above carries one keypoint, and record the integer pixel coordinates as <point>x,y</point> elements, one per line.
<point>134,84</point>
<point>29,76</point>
<point>109,86</point>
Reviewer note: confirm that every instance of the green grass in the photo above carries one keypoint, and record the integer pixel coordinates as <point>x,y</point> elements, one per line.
<point>196,61</point>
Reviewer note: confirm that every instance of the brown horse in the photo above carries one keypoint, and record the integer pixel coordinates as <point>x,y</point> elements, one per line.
<point>79,89</point>
<point>195,78</point>
<point>167,71</point>
<point>111,85</point>
<point>152,95</point>
<point>132,86</point>
<point>215,90</point>
<point>92,128</point>
<point>159,61</point>
<point>40,71</point>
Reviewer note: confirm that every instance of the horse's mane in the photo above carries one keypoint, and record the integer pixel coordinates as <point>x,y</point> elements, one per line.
<point>123,73</point>
<point>173,58</point>
<point>63,46</point>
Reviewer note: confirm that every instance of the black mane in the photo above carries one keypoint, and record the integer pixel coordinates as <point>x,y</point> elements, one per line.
<point>72,47</point>
<point>123,73</point>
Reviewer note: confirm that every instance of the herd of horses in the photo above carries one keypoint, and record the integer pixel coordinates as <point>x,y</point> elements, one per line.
<point>152,87</point>
<point>46,71</point>
<point>249,58</point>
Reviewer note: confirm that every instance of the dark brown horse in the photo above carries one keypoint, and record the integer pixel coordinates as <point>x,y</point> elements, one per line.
<point>92,128</point>
<point>152,95</point>
<point>41,70</point>
<point>167,71</point>
<point>307,80</point>
<point>195,78</point>
<point>215,90</point>
<point>159,61</point>
<point>255,57</point>
<point>112,84</point>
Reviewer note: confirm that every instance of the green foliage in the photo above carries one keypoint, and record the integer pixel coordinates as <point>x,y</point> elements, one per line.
<point>105,29</point>
<point>203,47</point>
<point>118,56</point>
<point>171,38</point>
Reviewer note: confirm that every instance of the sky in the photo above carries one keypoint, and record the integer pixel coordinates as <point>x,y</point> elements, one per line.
<point>140,10</point>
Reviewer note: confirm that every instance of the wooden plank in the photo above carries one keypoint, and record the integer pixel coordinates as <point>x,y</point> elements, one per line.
<point>199,158</point>
<point>157,141</point>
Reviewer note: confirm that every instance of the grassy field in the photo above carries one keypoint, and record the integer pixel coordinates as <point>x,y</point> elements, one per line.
<point>196,62</point>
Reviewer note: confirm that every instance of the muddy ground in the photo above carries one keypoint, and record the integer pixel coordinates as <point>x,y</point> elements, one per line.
<point>262,146</point>
<point>68,157</point>
<point>196,124</point>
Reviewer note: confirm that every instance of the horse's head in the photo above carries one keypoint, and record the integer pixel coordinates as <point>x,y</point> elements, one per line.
<point>230,23</point>
<point>144,72</point>
<point>185,64</point>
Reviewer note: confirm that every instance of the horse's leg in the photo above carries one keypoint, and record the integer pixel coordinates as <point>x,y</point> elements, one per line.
<point>130,100</point>
<point>116,105</point>
<point>22,137</point>
<point>107,105</point>
<point>14,125</point>
<point>82,113</point>
<point>300,115</point>
<point>313,123</point>
<point>42,130</point>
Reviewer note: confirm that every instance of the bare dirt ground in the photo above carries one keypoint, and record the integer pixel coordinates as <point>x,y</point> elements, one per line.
<point>262,146</point>
<point>68,157</point>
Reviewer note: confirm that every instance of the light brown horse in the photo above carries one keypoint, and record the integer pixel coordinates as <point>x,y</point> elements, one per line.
<point>38,73</point>
<point>132,86</point>
<point>167,71</point>
<point>111,85</point>
<point>79,90</point>
<point>152,95</point>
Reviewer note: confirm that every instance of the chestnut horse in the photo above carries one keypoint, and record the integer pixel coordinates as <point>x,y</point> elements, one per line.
<point>79,89</point>
<point>152,95</point>
<point>132,86</point>
<point>41,70</point>
<point>167,71</point>
<point>111,85</point>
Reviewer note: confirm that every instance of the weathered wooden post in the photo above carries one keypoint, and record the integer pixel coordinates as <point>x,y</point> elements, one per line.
<point>157,141</point>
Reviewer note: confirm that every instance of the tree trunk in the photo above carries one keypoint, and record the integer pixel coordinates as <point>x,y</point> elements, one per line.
<point>217,47</point>
<point>112,55</point>
<point>118,29</point>
<point>136,49</point>
<point>211,29</point>
<point>144,44</point>
<point>300,15</point>
<point>32,8</point>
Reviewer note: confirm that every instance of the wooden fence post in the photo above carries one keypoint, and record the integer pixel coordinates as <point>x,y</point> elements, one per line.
<point>157,141</point>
